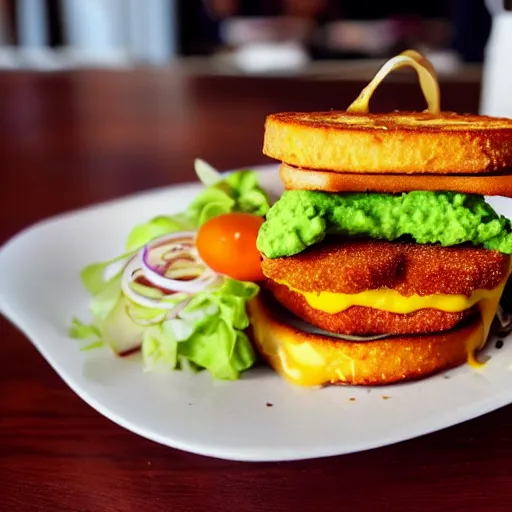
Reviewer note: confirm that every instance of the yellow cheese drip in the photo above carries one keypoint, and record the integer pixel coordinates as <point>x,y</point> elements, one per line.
<point>488,308</point>
<point>391,300</point>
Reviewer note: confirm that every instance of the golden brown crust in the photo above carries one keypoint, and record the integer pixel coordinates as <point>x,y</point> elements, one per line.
<point>394,143</point>
<point>367,321</point>
<point>328,181</point>
<point>312,359</point>
<point>348,265</point>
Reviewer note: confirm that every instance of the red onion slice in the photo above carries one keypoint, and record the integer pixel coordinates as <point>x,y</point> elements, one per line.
<point>154,275</point>
<point>128,277</point>
<point>154,263</point>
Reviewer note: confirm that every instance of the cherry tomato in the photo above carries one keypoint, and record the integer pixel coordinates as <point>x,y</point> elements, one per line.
<point>227,244</point>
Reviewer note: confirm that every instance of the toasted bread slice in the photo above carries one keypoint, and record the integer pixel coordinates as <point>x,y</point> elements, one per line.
<point>328,181</point>
<point>394,143</point>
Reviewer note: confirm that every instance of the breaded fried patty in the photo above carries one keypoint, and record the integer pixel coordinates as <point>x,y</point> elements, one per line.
<point>347,265</point>
<point>364,321</point>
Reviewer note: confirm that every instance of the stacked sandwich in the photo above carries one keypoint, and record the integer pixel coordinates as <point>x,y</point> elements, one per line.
<point>383,260</point>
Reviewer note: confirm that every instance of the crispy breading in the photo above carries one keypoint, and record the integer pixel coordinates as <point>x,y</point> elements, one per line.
<point>364,321</point>
<point>349,265</point>
<point>328,181</point>
<point>393,143</point>
<point>311,359</point>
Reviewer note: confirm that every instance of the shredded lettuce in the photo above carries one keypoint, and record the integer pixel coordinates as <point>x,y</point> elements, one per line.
<point>209,332</point>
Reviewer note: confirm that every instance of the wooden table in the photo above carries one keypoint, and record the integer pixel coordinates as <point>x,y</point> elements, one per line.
<point>72,139</point>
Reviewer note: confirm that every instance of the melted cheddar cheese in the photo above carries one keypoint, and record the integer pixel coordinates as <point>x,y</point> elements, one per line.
<point>476,341</point>
<point>391,300</point>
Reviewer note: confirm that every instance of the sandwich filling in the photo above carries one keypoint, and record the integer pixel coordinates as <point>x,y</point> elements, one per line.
<point>320,270</point>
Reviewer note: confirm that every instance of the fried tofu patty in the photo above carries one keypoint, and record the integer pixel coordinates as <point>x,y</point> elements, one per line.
<point>348,265</point>
<point>365,321</point>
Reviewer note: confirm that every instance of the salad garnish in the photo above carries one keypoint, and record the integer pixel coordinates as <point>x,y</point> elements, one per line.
<point>163,298</point>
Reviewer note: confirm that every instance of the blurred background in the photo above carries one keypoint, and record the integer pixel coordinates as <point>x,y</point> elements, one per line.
<point>240,36</point>
<point>101,98</point>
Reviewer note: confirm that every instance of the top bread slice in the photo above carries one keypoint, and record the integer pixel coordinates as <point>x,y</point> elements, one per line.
<point>394,143</point>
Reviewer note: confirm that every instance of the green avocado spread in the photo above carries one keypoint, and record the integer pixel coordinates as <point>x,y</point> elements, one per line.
<point>302,218</point>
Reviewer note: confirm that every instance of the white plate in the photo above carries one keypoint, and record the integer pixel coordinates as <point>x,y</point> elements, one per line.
<point>40,292</point>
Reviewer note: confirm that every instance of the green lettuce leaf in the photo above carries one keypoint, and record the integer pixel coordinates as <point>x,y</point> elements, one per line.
<point>210,202</point>
<point>81,331</point>
<point>223,350</point>
<point>159,348</point>
<point>158,226</point>
<point>186,365</point>
<point>213,349</point>
<point>103,302</point>
<point>241,289</point>
<point>237,192</point>
<point>208,333</point>
<point>93,276</point>
<point>92,346</point>
<point>249,196</point>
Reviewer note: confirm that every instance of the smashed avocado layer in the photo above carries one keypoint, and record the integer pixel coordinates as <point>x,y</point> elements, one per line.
<point>302,218</point>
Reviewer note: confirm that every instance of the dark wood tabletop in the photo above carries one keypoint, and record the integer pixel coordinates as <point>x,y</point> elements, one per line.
<point>71,139</point>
